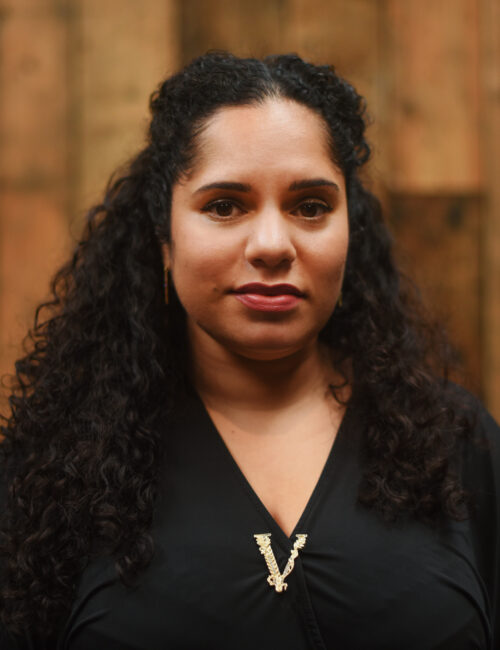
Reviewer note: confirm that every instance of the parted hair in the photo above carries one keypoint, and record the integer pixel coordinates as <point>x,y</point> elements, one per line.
<point>106,358</point>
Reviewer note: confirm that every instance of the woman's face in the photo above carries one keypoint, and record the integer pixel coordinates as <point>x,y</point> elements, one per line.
<point>265,204</point>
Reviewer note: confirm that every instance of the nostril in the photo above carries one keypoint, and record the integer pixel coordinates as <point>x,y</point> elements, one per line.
<point>270,249</point>
<point>270,261</point>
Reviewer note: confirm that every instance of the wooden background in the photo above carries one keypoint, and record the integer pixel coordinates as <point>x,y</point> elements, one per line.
<point>75,76</point>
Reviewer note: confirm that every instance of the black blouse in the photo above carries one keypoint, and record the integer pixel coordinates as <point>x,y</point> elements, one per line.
<point>357,583</point>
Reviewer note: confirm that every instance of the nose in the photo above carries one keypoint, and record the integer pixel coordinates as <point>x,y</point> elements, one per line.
<point>269,241</point>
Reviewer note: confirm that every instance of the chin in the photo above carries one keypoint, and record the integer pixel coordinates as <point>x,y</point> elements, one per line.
<point>262,343</point>
<point>267,350</point>
<point>265,355</point>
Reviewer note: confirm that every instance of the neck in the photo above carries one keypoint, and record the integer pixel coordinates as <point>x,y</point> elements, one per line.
<point>229,380</point>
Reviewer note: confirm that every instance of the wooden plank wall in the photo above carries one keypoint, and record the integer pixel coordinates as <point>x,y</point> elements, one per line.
<point>433,160</point>
<point>490,234</point>
<point>126,48</point>
<point>75,76</point>
<point>33,161</point>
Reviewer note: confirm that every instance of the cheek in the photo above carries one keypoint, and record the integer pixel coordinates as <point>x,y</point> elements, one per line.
<point>328,257</point>
<point>199,267</point>
<point>328,278</point>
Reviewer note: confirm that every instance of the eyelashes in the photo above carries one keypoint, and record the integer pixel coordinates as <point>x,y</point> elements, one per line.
<point>225,209</point>
<point>313,209</point>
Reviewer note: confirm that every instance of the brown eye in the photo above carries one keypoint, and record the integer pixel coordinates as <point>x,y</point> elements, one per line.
<point>222,208</point>
<point>312,209</point>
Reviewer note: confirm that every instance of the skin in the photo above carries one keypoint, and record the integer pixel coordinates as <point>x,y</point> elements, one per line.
<point>263,376</point>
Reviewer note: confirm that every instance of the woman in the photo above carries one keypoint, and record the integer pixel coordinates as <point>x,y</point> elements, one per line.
<point>231,431</point>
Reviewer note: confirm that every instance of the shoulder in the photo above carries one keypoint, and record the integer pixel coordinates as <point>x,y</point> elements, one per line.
<point>469,411</point>
<point>480,472</point>
<point>480,466</point>
<point>482,431</point>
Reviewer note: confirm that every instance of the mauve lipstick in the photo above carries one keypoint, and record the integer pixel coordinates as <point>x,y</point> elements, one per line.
<point>271,298</point>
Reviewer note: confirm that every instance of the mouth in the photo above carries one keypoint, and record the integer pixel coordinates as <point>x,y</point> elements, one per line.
<point>257,288</point>
<point>270,298</point>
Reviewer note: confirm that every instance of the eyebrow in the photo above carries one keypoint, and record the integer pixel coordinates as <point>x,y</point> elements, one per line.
<point>243,187</point>
<point>224,185</point>
<point>312,182</point>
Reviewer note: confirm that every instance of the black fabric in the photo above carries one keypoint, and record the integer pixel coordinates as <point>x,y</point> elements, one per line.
<point>358,583</point>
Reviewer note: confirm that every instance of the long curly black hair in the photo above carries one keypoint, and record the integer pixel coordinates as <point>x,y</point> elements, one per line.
<point>106,358</point>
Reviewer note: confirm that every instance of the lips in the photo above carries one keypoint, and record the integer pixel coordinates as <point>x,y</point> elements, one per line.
<point>269,290</point>
<point>269,298</point>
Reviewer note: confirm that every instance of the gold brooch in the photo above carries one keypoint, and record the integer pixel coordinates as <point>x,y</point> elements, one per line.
<point>275,578</point>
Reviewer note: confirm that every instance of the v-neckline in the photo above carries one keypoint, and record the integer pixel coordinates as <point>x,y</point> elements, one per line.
<point>331,460</point>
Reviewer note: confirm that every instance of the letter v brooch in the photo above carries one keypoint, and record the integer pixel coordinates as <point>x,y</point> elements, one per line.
<point>275,578</point>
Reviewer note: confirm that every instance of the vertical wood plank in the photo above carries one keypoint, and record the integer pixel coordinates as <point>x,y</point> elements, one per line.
<point>343,33</point>
<point>433,160</point>
<point>33,178</point>
<point>439,247</point>
<point>434,95</point>
<point>490,242</point>
<point>126,49</point>
<point>244,28</point>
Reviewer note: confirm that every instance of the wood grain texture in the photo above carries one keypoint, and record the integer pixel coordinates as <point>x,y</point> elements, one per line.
<point>438,245</point>
<point>245,28</point>
<point>433,95</point>
<point>33,187</point>
<point>490,241</point>
<point>75,77</point>
<point>126,48</point>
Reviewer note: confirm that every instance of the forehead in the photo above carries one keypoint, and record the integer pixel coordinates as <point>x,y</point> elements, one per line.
<point>275,133</point>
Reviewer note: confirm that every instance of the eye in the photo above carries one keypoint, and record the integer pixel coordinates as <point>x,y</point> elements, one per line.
<point>312,209</point>
<point>223,209</point>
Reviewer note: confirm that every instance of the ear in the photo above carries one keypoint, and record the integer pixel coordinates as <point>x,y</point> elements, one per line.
<point>165,251</point>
